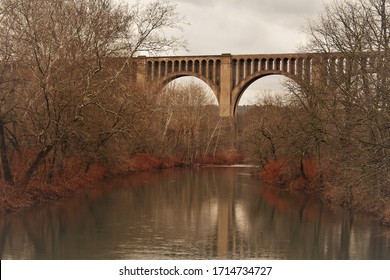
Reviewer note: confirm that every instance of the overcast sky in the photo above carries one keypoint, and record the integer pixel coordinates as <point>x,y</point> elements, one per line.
<point>246,27</point>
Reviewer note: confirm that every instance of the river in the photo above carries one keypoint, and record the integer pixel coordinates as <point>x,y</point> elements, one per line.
<point>190,213</point>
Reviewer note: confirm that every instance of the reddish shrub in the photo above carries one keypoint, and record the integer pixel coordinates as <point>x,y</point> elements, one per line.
<point>171,162</point>
<point>276,173</point>
<point>144,162</point>
<point>284,173</point>
<point>310,168</point>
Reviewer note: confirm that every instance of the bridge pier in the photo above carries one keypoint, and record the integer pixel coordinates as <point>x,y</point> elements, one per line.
<point>225,94</point>
<point>141,71</point>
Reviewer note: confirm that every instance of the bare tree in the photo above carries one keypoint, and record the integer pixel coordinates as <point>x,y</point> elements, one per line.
<point>353,103</point>
<point>72,57</point>
<point>190,121</point>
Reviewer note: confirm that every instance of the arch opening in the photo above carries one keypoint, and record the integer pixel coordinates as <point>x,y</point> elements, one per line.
<point>176,66</point>
<point>155,70</point>
<point>271,86</point>
<point>259,106</point>
<point>190,66</point>
<point>256,65</point>
<point>241,69</point>
<point>248,70</point>
<point>170,68</point>
<point>187,82</point>
<point>183,66</point>
<point>149,70</point>
<point>197,67</point>
<point>163,68</point>
<point>218,73</point>
<point>203,67</point>
<point>211,70</point>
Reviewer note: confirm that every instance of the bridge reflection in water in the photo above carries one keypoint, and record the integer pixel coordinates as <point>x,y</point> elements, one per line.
<point>206,213</point>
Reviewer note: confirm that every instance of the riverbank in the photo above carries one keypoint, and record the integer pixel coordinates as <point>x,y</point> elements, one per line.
<point>13,198</point>
<point>75,180</point>
<point>305,177</point>
<point>279,173</point>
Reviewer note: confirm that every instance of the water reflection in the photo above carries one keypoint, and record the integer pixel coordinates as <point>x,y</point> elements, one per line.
<point>207,213</point>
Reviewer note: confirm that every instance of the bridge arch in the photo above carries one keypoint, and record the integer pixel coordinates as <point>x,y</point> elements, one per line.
<point>239,90</point>
<point>171,77</point>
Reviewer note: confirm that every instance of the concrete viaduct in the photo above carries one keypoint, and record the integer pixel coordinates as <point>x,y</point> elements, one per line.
<point>230,75</point>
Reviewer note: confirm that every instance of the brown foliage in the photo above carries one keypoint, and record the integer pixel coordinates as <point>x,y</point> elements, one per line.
<point>145,162</point>
<point>284,173</point>
<point>276,173</point>
<point>74,180</point>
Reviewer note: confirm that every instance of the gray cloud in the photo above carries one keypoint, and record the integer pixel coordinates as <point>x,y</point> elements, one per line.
<point>246,26</point>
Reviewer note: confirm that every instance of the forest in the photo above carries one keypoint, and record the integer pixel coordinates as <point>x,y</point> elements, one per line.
<point>69,115</point>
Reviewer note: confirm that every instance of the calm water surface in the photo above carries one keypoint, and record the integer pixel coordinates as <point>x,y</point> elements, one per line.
<point>206,213</point>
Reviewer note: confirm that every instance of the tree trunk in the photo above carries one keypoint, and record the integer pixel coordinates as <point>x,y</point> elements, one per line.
<point>7,175</point>
<point>34,165</point>
<point>52,163</point>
